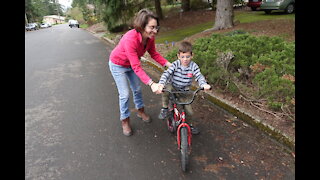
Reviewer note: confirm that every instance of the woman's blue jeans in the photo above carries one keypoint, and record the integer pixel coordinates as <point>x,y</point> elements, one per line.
<point>121,76</point>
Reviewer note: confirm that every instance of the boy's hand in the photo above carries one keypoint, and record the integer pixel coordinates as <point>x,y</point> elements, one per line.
<point>206,87</point>
<point>160,88</point>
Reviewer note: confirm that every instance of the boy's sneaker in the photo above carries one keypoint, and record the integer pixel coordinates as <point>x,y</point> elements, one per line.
<point>194,130</point>
<point>163,113</point>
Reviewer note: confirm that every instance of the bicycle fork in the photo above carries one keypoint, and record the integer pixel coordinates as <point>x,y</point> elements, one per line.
<point>183,124</point>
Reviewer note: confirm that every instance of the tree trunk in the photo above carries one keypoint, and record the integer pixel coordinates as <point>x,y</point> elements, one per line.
<point>224,15</point>
<point>185,5</point>
<point>26,19</point>
<point>158,8</point>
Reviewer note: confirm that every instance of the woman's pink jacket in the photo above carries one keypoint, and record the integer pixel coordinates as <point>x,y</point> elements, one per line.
<point>129,50</point>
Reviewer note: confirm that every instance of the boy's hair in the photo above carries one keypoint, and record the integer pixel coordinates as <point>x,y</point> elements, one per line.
<point>184,47</point>
<point>142,18</point>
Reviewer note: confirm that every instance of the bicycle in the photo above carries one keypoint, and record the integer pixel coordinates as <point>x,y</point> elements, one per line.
<point>176,122</point>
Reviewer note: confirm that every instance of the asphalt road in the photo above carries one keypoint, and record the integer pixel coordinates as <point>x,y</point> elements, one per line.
<point>73,132</point>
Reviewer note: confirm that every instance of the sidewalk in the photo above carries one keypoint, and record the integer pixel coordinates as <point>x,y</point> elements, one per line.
<point>247,117</point>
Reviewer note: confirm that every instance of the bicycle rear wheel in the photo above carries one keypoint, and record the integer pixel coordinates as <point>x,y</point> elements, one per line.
<point>171,123</point>
<point>184,148</point>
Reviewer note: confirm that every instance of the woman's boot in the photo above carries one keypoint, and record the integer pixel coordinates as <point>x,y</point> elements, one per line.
<point>127,131</point>
<point>141,114</point>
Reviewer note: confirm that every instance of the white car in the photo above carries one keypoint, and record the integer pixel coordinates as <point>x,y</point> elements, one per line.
<point>73,23</point>
<point>31,27</point>
<point>44,25</point>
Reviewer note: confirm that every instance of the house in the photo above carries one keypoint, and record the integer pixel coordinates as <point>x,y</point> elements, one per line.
<point>54,19</point>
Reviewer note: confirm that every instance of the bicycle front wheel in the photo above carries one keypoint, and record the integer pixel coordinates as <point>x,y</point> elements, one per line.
<point>184,148</point>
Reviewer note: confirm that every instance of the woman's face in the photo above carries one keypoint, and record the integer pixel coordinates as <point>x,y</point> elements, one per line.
<point>151,29</point>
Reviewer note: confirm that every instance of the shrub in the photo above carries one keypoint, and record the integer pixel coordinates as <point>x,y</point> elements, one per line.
<point>263,67</point>
<point>119,28</point>
<point>198,4</point>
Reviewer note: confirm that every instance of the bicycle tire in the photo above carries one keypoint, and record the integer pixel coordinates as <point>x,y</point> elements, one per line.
<point>184,148</point>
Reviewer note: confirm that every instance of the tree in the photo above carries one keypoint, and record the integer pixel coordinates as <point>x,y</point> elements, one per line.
<point>185,5</point>
<point>88,10</point>
<point>157,5</point>
<point>75,13</point>
<point>113,12</point>
<point>213,4</point>
<point>36,9</point>
<point>224,15</point>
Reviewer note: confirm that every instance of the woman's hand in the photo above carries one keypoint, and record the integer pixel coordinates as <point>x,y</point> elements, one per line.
<point>154,87</point>
<point>160,88</point>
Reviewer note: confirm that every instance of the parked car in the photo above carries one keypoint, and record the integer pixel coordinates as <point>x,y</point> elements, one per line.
<point>254,4</point>
<point>37,25</point>
<point>31,27</point>
<point>287,6</point>
<point>49,24</point>
<point>44,25</point>
<point>73,23</point>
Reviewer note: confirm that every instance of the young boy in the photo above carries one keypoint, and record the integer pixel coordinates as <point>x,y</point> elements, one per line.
<point>178,77</point>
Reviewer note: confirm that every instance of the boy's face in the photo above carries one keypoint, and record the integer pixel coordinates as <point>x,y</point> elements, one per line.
<point>185,58</point>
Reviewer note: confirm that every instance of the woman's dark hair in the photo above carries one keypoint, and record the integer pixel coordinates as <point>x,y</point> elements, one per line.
<point>142,18</point>
<point>185,47</point>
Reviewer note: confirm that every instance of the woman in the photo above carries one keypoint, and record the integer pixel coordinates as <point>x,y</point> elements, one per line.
<point>125,65</point>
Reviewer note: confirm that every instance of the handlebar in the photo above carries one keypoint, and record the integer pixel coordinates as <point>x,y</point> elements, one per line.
<point>184,92</point>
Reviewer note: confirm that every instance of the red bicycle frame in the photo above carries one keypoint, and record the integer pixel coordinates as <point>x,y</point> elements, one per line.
<point>177,117</point>
<point>182,116</point>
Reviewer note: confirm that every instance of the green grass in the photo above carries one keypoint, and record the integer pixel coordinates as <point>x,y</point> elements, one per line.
<point>253,16</point>
<point>179,34</point>
<point>242,16</point>
<point>169,8</point>
<point>84,26</point>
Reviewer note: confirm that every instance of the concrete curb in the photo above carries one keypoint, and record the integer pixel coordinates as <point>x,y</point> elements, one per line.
<point>109,40</point>
<point>254,121</point>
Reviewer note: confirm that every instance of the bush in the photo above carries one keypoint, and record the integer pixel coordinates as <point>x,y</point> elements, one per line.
<point>262,67</point>
<point>198,4</point>
<point>119,28</point>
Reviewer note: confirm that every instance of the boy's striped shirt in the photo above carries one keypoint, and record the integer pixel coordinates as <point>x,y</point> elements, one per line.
<point>181,77</point>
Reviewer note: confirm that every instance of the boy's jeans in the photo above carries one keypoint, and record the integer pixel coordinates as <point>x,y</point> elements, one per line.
<point>181,98</point>
<point>121,75</point>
